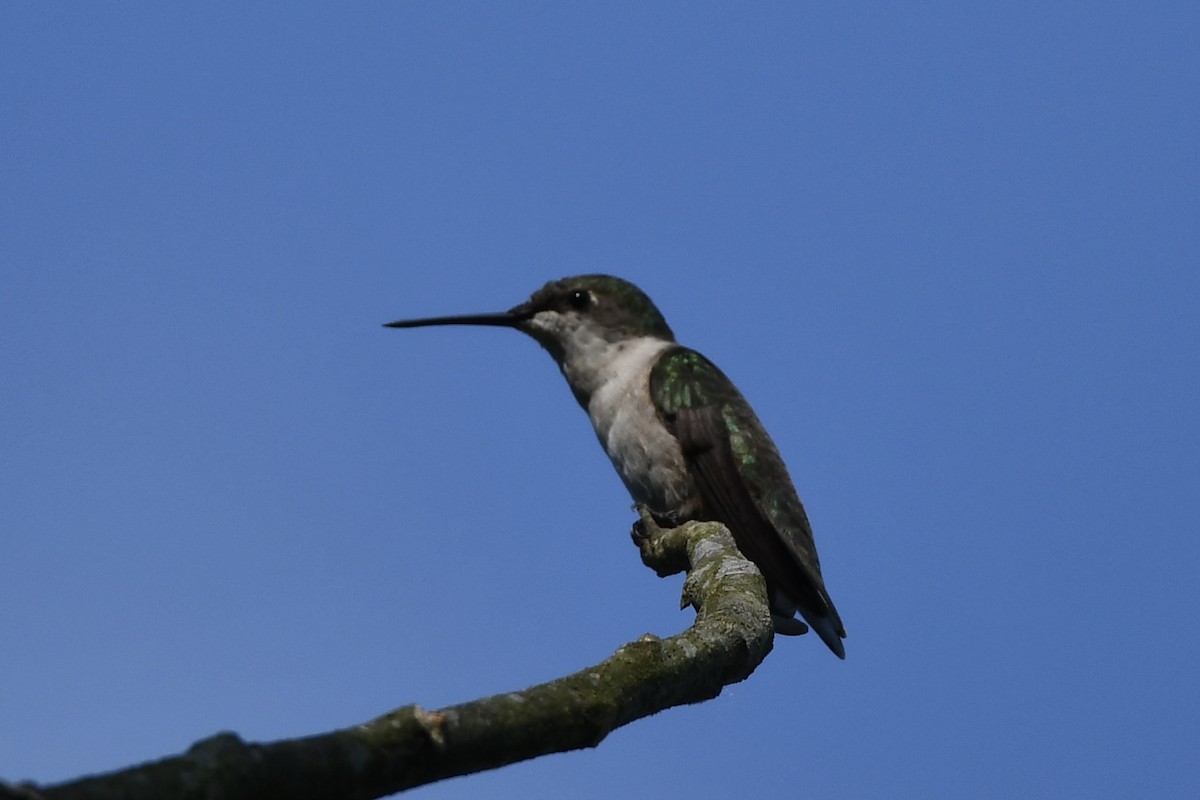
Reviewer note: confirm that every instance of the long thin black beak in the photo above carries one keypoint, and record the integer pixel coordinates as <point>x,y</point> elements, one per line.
<point>504,319</point>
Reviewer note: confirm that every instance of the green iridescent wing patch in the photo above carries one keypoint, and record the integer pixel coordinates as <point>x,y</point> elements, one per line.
<point>741,475</point>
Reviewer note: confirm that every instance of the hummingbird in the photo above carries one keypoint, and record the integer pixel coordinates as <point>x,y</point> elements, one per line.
<point>685,442</point>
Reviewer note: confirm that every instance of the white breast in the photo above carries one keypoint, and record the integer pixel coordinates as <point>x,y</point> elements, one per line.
<point>645,454</point>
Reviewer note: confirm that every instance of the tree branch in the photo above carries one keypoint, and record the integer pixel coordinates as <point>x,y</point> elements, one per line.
<point>412,746</point>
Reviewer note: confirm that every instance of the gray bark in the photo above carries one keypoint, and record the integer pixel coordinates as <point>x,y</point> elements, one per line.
<point>412,746</point>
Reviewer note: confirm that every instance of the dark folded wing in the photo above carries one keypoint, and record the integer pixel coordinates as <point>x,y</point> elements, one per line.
<point>744,480</point>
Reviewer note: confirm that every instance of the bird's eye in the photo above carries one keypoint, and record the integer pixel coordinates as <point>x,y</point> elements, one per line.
<point>579,299</point>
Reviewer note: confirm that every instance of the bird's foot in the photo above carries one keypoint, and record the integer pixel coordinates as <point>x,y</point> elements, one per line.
<point>662,548</point>
<point>645,528</point>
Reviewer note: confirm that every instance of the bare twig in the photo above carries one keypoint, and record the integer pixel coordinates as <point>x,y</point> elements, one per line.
<point>412,746</point>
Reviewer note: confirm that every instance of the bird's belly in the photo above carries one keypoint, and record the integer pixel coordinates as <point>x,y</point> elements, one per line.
<point>645,454</point>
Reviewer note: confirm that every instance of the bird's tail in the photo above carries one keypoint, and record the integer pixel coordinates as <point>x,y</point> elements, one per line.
<point>831,632</point>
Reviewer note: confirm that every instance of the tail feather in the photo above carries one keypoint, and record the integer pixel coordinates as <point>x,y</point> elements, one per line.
<point>830,632</point>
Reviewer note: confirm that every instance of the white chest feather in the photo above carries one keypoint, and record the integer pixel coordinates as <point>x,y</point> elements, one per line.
<point>645,454</point>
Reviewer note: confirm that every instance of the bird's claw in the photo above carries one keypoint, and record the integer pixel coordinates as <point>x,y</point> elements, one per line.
<point>645,528</point>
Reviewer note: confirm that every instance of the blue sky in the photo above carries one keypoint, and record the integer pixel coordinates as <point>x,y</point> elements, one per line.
<point>949,251</point>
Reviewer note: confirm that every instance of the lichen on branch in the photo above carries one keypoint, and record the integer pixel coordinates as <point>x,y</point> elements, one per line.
<point>412,746</point>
